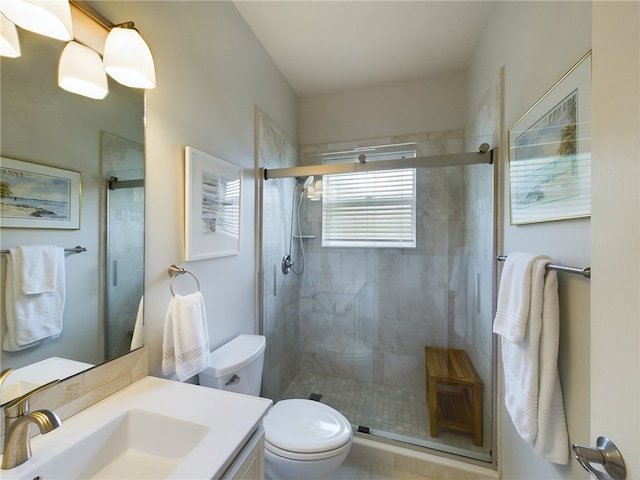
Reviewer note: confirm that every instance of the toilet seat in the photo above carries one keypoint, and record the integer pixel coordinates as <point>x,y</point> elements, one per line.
<point>288,454</point>
<point>306,429</point>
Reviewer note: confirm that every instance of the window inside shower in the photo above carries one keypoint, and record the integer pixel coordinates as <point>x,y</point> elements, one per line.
<point>351,330</point>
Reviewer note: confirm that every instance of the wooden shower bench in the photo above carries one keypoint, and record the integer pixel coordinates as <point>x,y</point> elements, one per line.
<point>454,392</point>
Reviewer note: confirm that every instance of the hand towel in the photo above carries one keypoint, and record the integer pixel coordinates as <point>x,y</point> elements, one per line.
<point>514,296</point>
<point>34,317</point>
<point>185,345</point>
<point>533,396</point>
<point>137,339</point>
<point>39,264</point>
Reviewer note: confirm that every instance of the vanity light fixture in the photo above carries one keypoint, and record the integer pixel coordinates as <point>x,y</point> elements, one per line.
<point>80,71</point>
<point>9,43</point>
<point>51,18</point>
<point>127,58</point>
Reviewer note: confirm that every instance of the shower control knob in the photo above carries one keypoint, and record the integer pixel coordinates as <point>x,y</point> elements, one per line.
<point>287,264</point>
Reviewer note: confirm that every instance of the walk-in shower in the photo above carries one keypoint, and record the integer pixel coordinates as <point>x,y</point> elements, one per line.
<point>351,330</point>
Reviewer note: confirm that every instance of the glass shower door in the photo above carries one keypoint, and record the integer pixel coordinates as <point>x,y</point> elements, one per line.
<point>125,258</point>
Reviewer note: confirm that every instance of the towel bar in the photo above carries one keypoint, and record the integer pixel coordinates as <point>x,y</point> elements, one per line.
<point>585,272</point>
<point>76,249</point>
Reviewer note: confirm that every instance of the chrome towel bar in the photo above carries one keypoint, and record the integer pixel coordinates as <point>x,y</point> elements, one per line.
<point>76,249</point>
<point>585,272</point>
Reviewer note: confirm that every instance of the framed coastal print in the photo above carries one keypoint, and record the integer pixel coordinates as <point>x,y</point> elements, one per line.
<point>550,153</point>
<point>38,196</point>
<point>213,192</point>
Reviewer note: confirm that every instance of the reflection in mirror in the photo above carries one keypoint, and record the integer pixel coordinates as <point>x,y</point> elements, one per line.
<point>43,124</point>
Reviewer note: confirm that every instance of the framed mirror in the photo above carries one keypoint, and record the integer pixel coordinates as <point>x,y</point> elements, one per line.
<point>102,140</point>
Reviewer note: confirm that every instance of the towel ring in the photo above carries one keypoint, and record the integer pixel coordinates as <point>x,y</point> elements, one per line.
<point>174,271</point>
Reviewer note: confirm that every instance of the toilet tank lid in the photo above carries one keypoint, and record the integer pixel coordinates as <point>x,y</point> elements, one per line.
<point>236,354</point>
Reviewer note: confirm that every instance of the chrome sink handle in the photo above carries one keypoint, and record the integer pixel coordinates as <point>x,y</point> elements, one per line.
<point>19,406</point>
<point>606,454</point>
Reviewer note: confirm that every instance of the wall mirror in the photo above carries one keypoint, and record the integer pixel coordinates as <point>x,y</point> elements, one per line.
<point>103,141</point>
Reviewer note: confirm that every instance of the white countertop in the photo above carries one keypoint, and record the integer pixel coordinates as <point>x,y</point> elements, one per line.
<point>230,420</point>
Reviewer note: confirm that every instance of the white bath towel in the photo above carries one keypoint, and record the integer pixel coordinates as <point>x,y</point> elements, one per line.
<point>39,265</point>
<point>514,295</point>
<point>185,345</point>
<point>552,440</point>
<point>533,396</point>
<point>34,317</point>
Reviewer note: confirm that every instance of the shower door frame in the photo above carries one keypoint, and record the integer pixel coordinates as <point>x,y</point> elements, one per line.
<point>485,155</point>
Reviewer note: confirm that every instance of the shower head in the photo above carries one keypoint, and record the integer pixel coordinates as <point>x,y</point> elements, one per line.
<point>307,181</point>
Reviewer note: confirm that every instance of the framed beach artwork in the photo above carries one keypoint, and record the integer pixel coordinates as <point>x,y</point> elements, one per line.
<point>213,192</point>
<point>38,196</point>
<point>550,153</point>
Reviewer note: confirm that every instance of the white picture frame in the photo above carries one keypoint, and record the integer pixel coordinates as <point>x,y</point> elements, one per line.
<point>213,198</point>
<point>39,196</point>
<point>550,153</point>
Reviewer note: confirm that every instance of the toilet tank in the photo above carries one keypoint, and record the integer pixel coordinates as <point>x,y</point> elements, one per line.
<point>236,366</point>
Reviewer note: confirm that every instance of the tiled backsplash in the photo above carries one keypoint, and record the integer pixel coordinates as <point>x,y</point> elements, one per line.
<point>76,393</point>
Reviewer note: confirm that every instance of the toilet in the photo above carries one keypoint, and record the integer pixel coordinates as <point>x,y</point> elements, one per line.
<point>303,438</point>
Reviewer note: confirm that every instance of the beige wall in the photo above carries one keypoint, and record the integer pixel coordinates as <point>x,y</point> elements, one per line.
<point>426,105</point>
<point>537,43</point>
<point>211,73</point>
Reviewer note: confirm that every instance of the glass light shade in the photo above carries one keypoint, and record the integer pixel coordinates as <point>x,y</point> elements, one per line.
<point>127,59</point>
<point>9,43</point>
<point>51,18</point>
<point>80,71</point>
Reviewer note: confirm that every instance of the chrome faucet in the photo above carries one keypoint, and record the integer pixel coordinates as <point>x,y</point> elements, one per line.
<point>17,420</point>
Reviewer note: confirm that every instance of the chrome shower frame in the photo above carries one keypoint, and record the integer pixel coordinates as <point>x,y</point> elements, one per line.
<point>484,155</point>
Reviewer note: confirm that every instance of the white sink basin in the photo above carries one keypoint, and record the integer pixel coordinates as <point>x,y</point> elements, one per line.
<point>152,429</point>
<point>138,444</point>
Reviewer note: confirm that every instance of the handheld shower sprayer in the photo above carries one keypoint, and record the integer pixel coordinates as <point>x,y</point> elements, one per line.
<point>308,181</point>
<point>287,260</point>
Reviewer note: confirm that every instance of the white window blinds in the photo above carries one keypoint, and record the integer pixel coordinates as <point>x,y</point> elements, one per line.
<point>370,209</point>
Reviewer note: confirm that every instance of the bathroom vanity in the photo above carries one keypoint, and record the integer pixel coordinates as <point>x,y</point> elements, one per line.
<point>155,428</point>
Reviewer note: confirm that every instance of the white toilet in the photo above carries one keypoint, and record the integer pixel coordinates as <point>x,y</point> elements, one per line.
<point>303,438</point>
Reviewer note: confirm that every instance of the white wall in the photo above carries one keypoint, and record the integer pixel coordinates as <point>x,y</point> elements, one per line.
<point>211,73</point>
<point>415,106</point>
<point>537,43</point>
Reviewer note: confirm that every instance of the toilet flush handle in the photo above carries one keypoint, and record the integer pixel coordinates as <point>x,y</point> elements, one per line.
<point>233,380</point>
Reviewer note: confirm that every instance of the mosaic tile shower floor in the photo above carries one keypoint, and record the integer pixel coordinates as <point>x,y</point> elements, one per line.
<point>392,412</point>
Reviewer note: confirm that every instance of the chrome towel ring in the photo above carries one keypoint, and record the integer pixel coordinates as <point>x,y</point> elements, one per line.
<point>174,271</point>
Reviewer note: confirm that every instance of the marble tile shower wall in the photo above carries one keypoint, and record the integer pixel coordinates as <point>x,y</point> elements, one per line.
<point>484,122</point>
<point>479,237</point>
<point>368,313</point>
<point>280,294</point>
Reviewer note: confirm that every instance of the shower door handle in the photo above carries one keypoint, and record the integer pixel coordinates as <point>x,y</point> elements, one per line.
<point>606,454</point>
